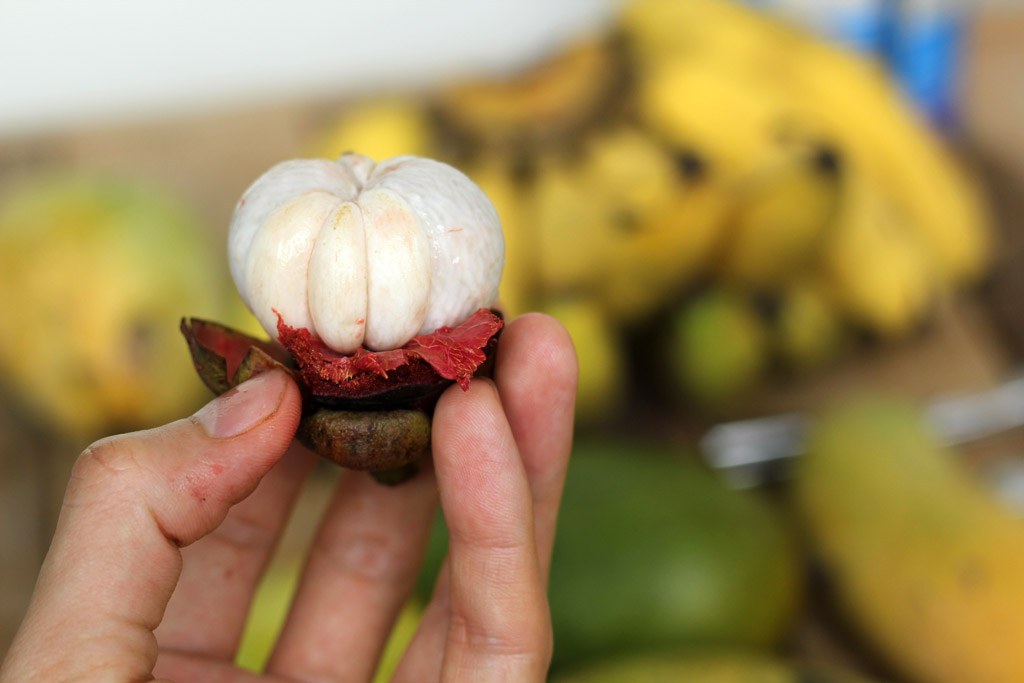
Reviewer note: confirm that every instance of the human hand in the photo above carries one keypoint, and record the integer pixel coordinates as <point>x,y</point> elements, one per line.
<point>164,535</point>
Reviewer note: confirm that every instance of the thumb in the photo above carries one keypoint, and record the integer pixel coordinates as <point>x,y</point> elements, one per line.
<point>132,502</point>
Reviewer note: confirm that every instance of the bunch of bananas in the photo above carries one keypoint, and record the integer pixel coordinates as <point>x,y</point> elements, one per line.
<point>764,193</point>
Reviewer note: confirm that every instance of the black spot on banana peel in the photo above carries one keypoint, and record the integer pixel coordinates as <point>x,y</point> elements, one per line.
<point>828,160</point>
<point>691,165</point>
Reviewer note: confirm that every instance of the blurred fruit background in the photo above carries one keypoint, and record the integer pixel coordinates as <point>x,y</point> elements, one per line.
<point>783,235</point>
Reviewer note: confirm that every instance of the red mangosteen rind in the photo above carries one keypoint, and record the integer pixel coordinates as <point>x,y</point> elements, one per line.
<point>368,411</point>
<point>218,352</point>
<point>435,359</point>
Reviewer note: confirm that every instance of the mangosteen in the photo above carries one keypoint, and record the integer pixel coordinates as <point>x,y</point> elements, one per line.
<point>374,282</point>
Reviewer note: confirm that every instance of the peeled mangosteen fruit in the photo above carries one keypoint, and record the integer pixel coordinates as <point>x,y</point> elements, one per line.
<point>375,282</point>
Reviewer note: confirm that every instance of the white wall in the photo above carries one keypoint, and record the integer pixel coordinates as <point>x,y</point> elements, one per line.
<point>65,63</point>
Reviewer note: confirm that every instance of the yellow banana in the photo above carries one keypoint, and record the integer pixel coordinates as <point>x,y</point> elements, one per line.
<point>781,220</point>
<point>851,98</point>
<point>875,266</point>
<point>624,222</point>
<point>660,219</point>
<point>599,353</point>
<point>926,563</point>
<point>571,247</point>
<point>693,105</point>
<point>808,332</point>
<point>657,30</point>
<point>519,291</point>
<point>725,74</point>
<point>380,128</point>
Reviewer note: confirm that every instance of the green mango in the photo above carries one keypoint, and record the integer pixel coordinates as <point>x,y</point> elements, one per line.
<point>653,551</point>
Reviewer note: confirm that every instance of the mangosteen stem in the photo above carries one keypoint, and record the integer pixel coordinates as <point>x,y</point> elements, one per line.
<point>397,475</point>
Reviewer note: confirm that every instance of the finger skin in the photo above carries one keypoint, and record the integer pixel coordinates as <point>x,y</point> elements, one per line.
<point>360,571</point>
<point>136,489</point>
<point>499,627</point>
<point>537,378</point>
<point>132,503</point>
<point>221,571</point>
<point>536,375</point>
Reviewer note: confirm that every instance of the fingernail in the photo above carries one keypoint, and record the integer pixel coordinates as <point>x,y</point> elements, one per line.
<point>239,410</point>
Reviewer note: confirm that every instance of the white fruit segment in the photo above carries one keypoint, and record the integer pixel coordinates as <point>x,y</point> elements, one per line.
<point>397,269</point>
<point>283,246</point>
<point>280,184</point>
<point>467,249</point>
<point>337,280</point>
<point>365,254</point>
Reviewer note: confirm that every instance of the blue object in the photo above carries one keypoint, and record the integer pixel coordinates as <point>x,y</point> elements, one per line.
<point>925,56</point>
<point>921,41</point>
